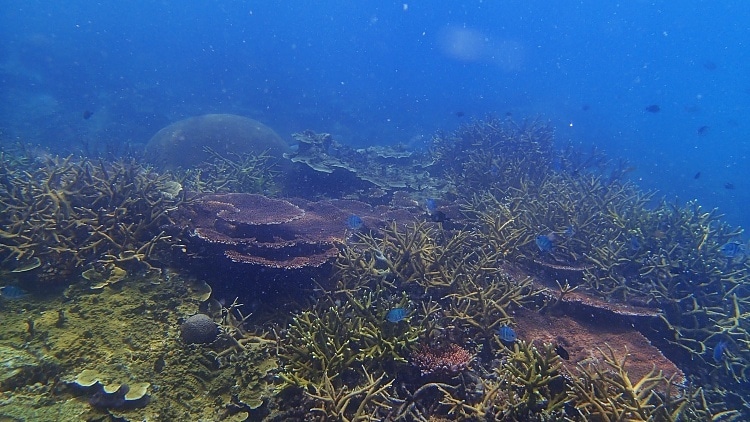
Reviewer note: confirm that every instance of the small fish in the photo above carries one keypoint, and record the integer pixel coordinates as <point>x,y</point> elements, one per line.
<point>703,130</point>
<point>87,114</point>
<point>544,243</point>
<point>634,244</point>
<point>653,108</point>
<point>395,315</point>
<point>585,107</point>
<point>570,231</point>
<point>720,350</point>
<point>507,335</point>
<point>697,176</point>
<point>732,249</point>
<point>431,205</point>
<point>562,352</point>
<point>709,65</point>
<point>729,185</point>
<point>13,292</point>
<point>460,114</point>
<point>438,217</point>
<point>354,222</point>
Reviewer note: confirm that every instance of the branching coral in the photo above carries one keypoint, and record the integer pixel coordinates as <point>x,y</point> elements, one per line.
<point>246,173</point>
<point>333,350</point>
<point>484,296</point>
<point>508,151</point>
<point>68,213</point>
<point>604,391</point>
<point>522,389</point>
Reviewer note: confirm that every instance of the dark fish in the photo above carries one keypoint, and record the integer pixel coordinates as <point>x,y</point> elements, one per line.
<point>585,107</point>
<point>562,352</point>
<point>395,315</point>
<point>720,350</point>
<point>729,185</point>
<point>507,335</point>
<point>438,217</point>
<point>709,65</point>
<point>697,175</point>
<point>653,108</point>
<point>13,292</point>
<point>460,114</point>
<point>732,249</point>
<point>354,222</point>
<point>508,114</point>
<point>544,243</point>
<point>702,130</point>
<point>87,114</point>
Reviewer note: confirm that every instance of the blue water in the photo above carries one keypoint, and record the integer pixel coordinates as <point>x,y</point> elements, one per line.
<point>377,72</point>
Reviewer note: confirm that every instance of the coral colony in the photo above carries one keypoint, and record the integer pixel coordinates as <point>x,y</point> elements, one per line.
<point>534,283</point>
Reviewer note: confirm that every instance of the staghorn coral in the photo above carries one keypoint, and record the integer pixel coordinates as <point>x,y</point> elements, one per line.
<point>484,295</point>
<point>337,351</point>
<point>525,386</point>
<point>620,253</point>
<point>231,172</point>
<point>67,214</point>
<point>510,152</point>
<point>605,391</point>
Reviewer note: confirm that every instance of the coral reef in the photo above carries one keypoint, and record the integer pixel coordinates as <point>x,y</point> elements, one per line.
<point>199,329</point>
<point>325,163</point>
<point>623,308</point>
<point>64,215</point>
<point>275,233</point>
<point>239,173</point>
<point>84,348</point>
<point>183,144</point>
<point>450,359</point>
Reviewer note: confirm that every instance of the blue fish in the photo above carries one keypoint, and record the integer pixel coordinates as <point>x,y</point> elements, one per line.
<point>354,222</point>
<point>13,292</point>
<point>720,350</point>
<point>634,244</point>
<point>395,315</point>
<point>507,335</point>
<point>431,205</point>
<point>732,249</point>
<point>544,243</point>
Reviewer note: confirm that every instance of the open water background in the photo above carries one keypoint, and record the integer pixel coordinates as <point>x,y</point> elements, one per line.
<point>380,72</point>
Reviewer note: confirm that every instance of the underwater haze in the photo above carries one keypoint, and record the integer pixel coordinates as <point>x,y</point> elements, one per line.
<point>663,84</point>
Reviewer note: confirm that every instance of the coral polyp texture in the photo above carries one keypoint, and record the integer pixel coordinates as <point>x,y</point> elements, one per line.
<point>497,276</point>
<point>450,359</point>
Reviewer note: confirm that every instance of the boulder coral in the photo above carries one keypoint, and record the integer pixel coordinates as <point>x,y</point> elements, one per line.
<point>183,143</point>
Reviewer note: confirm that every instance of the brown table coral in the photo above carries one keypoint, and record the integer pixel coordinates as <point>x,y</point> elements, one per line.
<point>584,342</point>
<point>277,233</point>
